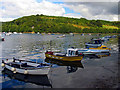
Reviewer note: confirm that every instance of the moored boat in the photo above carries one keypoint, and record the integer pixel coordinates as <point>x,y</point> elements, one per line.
<point>89,51</point>
<point>26,67</point>
<point>70,56</point>
<point>94,43</point>
<point>2,38</point>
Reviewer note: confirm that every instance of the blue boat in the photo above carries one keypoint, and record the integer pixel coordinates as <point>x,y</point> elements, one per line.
<point>94,43</point>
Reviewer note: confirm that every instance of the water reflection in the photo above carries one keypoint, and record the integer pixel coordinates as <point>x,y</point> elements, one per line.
<point>97,56</point>
<point>71,66</point>
<point>30,46</point>
<point>35,79</point>
<point>64,63</point>
<point>71,69</point>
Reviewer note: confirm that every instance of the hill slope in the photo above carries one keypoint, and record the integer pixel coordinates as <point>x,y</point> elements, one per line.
<point>54,24</point>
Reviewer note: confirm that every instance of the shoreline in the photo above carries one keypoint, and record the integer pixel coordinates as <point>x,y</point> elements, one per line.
<point>58,33</point>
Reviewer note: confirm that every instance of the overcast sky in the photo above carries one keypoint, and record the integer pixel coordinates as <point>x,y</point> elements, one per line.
<point>90,9</point>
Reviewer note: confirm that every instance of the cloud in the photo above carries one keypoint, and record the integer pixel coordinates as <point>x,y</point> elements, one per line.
<point>72,15</point>
<point>90,9</point>
<point>19,8</point>
<point>90,0</point>
<point>95,10</point>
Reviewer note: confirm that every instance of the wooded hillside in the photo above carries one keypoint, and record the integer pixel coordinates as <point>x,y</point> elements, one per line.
<point>55,24</point>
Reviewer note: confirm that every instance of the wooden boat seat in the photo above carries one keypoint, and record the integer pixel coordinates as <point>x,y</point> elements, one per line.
<point>60,54</point>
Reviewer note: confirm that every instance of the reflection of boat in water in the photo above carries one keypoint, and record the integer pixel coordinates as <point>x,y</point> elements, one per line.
<point>35,79</point>
<point>64,63</point>
<point>26,67</point>
<point>71,69</point>
<point>103,54</point>
<point>96,56</point>
<point>71,66</point>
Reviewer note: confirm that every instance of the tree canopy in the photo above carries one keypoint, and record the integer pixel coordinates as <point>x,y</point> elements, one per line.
<point>55,24</point>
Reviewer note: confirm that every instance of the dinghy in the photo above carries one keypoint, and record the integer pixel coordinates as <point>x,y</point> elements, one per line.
<point>26,67</point>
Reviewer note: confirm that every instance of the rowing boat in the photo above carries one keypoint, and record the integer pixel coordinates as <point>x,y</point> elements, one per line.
<point>23,67</point>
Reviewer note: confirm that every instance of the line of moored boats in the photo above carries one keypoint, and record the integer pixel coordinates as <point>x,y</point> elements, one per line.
<point>94,47</point>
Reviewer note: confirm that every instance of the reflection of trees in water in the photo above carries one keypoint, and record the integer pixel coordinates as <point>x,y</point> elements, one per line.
<point>71,69</point>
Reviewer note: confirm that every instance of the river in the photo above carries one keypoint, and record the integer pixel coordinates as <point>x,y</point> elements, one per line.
<point>89,73</point>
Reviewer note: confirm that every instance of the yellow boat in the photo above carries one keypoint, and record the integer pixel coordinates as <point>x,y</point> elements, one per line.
<point>63,57</point>
<point>102,47</point>
<point>96,44</point>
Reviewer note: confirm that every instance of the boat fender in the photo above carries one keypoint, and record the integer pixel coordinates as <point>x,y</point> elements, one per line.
<point>3,65</point>
<point>13,69</point>
<point>25,72</point>
<point>14,72</point>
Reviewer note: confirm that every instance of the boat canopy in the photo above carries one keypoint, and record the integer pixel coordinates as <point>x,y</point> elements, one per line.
<point>95,41</point>
<point>73,52</point>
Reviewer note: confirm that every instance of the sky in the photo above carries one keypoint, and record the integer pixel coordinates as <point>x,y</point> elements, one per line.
<point>89,9</point>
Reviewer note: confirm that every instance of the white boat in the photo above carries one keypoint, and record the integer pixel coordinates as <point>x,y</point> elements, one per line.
<point>92,51</point>
<point>15,33</point>
<point>61,36</point>
<point>38,33</point>
<point>1,37</point>
<point>20,33</point>
<point>8,34</point>
<point>26,67</point>
<point>72,51</point>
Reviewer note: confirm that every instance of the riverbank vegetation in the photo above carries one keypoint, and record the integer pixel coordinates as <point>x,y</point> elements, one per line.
<point>54,24</point>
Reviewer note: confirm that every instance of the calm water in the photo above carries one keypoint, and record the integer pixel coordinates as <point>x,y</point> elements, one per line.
<point>89,73</point>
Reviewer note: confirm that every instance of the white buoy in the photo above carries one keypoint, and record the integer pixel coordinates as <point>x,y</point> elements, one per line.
<point>13,69</point>
<point>25,72</point>
<point>14,72</point>
<point>3,65</point>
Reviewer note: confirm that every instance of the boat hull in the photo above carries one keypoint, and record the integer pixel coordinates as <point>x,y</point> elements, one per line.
<point>93,51</point>
<point>64,58</point>
<point>43,71</point>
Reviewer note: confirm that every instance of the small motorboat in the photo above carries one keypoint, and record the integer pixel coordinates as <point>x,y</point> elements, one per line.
<point>61,36</point>
<point>100,51</point>
<point>94,43</point>
<point>26,67</point>
<point>2,38</point>
<point>8,34</point>
<point>103,48</point>
<point>70,56</point>
<point>92,51</point>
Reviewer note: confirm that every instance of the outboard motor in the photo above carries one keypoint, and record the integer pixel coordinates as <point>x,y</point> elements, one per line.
<point>51,53</point>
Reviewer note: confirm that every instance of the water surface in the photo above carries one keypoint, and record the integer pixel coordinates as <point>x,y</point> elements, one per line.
<point>89,73</point>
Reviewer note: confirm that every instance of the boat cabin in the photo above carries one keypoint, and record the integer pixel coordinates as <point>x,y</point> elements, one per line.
<point>73,52</point>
